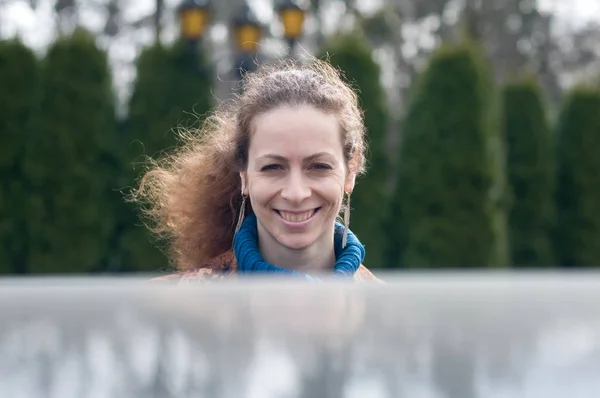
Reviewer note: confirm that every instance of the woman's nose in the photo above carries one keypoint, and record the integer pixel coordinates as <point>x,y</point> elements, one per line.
<point>296,188</point>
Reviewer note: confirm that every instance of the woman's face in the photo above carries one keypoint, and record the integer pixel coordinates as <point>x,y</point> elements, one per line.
<point>296,176</point>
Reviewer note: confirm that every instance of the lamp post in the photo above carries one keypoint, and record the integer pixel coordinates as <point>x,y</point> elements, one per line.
<point>292,16</point>
<point>193,19</point>
<point>247,32</point>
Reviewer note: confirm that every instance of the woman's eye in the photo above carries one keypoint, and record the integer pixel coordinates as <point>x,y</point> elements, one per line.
<point>321,166</point>
<point>270,167</point>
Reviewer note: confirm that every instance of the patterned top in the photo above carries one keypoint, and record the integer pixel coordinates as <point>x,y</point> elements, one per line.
<point>225,265</point>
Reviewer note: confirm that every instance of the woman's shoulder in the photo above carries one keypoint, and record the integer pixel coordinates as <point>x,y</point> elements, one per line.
<point>225,265</point>
<point>217,268</point>
<point>364,274</point>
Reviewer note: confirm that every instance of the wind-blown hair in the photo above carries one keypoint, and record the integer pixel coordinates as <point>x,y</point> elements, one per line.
<point>192,196</point>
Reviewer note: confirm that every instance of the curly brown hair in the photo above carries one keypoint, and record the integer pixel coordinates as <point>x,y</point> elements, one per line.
<point>192,196</point>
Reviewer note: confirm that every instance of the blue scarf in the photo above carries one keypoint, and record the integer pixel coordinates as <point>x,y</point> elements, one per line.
<point>249,259</point>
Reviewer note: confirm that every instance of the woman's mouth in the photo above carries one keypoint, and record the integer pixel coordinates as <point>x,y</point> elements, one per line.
<point>298,219</point>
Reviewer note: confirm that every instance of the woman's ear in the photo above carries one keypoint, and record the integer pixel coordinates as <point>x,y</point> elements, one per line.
<point>350,182</point>
<point>351,176</point>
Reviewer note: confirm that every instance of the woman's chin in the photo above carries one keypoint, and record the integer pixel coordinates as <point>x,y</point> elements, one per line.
<point>296,242</point>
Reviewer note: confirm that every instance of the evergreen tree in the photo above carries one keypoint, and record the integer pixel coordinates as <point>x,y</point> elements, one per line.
<point>578,190</point>
<point>172,90</point>
<point>70,160</point>
<point>351,54</point>
<point>448,167</point>
<point>18,97</point>
<point>530,173</point>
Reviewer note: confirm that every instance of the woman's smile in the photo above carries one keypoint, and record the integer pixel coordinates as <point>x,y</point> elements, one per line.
<point>297,219</point>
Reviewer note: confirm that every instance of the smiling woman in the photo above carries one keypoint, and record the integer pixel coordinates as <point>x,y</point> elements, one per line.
<point>260,186</point>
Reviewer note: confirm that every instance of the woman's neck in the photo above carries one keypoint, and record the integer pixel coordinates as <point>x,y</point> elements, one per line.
<point>318,258</point>
<point>257,251</point>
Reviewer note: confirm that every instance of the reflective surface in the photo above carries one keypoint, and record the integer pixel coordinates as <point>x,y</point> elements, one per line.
<point>455,336</point>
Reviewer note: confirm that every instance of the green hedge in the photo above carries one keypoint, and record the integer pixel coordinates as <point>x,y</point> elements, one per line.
<point>530,168</point>
<point>19,74</point>
<point>444,194</point>
<point>70,160</point>
<point>578,190</point>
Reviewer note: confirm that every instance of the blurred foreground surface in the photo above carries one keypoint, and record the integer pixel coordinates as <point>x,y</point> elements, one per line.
<point>451,335</point>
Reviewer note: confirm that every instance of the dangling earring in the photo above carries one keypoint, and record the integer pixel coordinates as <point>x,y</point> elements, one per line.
<point>346,220</point>
<point>241,215</point>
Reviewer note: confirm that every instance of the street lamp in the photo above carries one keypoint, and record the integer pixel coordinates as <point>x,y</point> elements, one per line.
<point>247,32</point>
<point>292,16</point>
<point>193,18</point>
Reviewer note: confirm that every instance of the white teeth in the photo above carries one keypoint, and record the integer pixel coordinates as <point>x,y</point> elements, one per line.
<point>296,217</point>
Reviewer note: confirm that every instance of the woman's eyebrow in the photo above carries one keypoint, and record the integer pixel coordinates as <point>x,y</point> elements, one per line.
<point>284,159</point>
